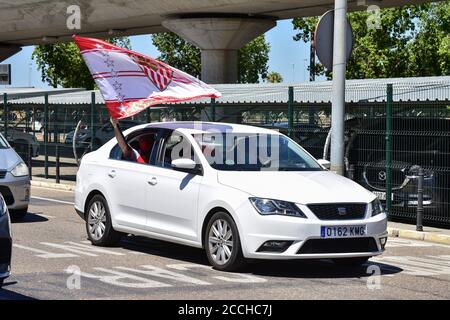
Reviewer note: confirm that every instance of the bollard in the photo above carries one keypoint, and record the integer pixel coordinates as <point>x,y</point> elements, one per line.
<point>419,226</point>
<point>351,172</point>
<point>57,163</point>
<point>30,160</point>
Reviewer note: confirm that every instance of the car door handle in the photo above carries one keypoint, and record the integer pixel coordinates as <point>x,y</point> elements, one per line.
<point>153,181</point>
<point>112,173</point>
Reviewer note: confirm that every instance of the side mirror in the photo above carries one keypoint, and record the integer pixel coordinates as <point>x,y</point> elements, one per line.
<point>324,163</point>
<point>186,165</point>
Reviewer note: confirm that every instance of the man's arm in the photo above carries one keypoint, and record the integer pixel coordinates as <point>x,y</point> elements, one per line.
<point>126,149</point>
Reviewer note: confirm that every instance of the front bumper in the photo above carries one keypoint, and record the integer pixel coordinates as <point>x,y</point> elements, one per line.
<point>16,191</point>
<point>256,229</point>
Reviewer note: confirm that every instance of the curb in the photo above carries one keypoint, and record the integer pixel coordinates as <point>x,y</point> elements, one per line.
<point>52,185</point>
<point>417,235</point>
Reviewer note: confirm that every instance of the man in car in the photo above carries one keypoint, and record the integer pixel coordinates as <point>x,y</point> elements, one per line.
<point>129,153</point>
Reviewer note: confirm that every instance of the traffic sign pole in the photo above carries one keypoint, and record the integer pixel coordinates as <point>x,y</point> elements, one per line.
<point>338,99</point>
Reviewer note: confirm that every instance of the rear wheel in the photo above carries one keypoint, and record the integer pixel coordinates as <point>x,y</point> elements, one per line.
<point>98,223</point>
<point>222,243</point>
<point>351,262</point>
<point>18,213</point>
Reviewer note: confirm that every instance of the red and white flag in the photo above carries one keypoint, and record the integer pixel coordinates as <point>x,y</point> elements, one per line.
<point>130,81</point>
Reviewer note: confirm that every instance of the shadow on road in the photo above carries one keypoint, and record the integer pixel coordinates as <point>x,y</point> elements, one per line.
<point>29,218</point>
<point>271,268</point>
<point>164,249</point>
<point>5,294</point>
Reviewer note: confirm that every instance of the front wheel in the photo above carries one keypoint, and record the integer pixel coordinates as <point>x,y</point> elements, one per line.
<point>98,223</point>
<point>222,243</point>
<point>351,262</point>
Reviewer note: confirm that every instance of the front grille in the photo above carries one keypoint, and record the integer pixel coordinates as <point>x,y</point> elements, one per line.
<point>376,177</point>
<point>347,245</point>
<point>7,195</point>
<point>339,211</point>
<point>2,174</point>
<point>5,250</point>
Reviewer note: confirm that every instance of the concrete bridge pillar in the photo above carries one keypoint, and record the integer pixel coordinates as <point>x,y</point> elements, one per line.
<point>219,39</point>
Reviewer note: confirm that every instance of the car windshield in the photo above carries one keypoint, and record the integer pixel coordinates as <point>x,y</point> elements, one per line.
<point>3,143</point>
<point>254,152</point>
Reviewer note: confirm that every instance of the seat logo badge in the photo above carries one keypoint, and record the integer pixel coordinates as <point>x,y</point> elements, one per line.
<point>382,175</point>
<point>342,211</point>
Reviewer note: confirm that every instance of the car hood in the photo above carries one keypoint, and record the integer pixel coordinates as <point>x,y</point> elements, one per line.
<point>301,187</point>
<point>8,159</point>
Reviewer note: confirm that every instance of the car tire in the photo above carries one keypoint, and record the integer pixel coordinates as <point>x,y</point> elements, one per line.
<point>98,223</point>
<point>351,262</point>
<point>222,237</point>
<point>18,214</point>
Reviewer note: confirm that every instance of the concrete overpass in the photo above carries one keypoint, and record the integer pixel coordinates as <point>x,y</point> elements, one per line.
<point>218,27</point>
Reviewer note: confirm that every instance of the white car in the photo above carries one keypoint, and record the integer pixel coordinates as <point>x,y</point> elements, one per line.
<point>239,192</point>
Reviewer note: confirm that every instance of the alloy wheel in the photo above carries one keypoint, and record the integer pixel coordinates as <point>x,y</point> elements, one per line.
<point>220,241</point>
<point>97,220</point>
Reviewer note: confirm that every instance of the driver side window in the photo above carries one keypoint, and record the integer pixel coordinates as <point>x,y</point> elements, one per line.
<point>175,146</point>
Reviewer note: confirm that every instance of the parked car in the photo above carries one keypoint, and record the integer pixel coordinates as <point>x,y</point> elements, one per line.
<point>14,180</point>
<point>301,130</point>
<point>416,142</point>
<point>204,186</point>
<point>102,135</point>
<point>20,141</point>
<point>5,242</point>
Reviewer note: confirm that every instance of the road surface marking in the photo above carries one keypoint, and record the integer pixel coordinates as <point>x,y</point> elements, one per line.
<point>45,254</point>
<point>53,189</point>
<point>44,216</point>
<point>118,278</point>
<point>52,200</point>
<point>427,266</point>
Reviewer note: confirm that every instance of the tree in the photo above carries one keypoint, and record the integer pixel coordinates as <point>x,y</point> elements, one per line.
<point>274,77</point>
<point>411,41</point>
<point>62,64</point>
<point>252,58</point>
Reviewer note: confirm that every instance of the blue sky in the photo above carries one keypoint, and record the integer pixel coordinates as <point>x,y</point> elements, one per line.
<point>288,57</point>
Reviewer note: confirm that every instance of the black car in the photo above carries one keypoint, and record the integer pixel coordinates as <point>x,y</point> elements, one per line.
<point>102,134</point>
<point>417,142</point>
<point>5,241</point>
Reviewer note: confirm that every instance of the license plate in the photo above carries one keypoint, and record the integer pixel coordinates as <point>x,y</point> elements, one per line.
<point>381,195</point>
<point>342,231</point>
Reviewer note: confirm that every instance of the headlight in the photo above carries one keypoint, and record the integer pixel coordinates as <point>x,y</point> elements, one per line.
<point>2,206</point>
<point>20,170</point>
<point>377,207</point>
<point>278,207</point>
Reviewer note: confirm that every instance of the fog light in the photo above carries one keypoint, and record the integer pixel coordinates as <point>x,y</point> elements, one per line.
<point>274,246</point>
<point>383,242</point>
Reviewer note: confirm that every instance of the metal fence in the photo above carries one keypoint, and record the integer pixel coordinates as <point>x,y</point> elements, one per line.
<point>387,140</point>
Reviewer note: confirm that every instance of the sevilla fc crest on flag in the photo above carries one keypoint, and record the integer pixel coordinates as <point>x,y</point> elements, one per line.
<point>130,81</point>
<point>158,72</point>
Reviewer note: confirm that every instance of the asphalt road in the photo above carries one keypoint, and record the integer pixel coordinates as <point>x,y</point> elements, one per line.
<point>52,259</point>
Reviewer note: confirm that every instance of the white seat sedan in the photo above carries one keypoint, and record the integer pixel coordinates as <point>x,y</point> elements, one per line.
<point>239,192</point>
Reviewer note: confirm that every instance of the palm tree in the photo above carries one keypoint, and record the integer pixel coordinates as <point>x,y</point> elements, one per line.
<point>274,77</point>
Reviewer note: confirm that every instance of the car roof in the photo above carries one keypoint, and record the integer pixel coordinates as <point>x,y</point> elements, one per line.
<point>205,127</point>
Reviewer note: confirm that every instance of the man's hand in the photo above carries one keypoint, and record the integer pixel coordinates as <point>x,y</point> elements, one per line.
<point>114,122</point>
